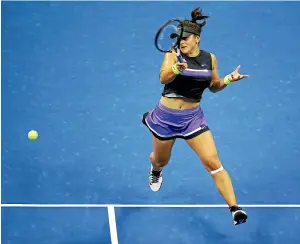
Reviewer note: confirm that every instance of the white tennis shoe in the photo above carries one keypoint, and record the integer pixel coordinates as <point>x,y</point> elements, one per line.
<point>155,179</point>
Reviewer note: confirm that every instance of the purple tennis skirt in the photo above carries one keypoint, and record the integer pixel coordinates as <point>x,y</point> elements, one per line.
<point>166,123</point>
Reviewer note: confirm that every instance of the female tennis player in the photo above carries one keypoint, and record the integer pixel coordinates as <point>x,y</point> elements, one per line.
<point>179,115</point>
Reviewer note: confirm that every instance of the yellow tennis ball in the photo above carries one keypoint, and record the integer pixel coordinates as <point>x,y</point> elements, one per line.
<point>33,135</point>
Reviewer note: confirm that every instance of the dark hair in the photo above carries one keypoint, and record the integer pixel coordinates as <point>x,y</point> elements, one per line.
<point>196,15</point>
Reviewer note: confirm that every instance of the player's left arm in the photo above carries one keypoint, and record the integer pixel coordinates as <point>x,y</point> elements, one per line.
<point>218,84</point>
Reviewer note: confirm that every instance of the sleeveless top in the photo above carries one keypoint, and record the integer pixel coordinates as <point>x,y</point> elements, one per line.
<point>192,82</point>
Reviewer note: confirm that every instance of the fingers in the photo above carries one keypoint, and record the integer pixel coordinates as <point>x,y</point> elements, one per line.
<point>240,77</point>
<point>244,76</point>
<point>236,76</point>
<point>238,68</point>
<point>181,66</point>
<point>237,71</point>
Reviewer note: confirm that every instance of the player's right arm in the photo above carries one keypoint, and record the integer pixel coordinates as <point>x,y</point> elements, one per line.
<point>167,74</point>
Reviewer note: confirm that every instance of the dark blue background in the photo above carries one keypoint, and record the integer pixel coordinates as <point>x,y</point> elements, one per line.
<point>83,73</point>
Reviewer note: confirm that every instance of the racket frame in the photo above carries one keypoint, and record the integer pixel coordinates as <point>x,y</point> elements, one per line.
<point>175,47</point>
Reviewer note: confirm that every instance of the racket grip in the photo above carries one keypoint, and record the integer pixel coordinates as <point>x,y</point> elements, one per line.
<point>180,59</point>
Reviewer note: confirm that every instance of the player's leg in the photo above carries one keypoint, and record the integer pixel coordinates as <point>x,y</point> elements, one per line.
<point>160,121</point>
<point>205,148</point>
<point>159,158</point>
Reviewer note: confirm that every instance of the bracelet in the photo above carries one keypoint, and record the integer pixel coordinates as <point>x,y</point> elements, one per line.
<point>226,80</point>
<point>175,69</point>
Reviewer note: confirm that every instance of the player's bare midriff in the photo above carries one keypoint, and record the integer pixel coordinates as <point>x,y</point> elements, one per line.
<point>179,103</point>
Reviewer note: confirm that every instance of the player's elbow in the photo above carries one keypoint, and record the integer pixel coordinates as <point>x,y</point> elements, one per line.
<point>213,89</point>
<point>165,78</point>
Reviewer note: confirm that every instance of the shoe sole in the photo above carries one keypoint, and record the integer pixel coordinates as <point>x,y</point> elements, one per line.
<point>242,219</point>
<point>158,188</point>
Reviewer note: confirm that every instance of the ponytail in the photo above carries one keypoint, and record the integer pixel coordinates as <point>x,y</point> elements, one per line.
<point>196,15</point>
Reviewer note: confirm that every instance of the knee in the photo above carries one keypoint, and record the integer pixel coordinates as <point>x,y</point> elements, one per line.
<point>159,160</point>
<point>212,163</point>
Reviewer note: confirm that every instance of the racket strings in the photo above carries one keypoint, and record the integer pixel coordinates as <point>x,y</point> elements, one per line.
<point>168,36</point>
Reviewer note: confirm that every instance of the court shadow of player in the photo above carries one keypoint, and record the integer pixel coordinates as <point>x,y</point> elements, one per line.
<point>265,231</point>
<point>165,220</point>
<point>204,227</point>
<point>230,234</point>
<point>123,217</point>
<point>260,236</point>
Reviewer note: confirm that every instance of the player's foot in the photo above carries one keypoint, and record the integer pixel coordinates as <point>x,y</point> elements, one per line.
<point>155,179</point>
<point>239,216</point>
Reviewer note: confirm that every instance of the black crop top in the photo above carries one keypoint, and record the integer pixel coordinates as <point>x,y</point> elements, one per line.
<point>194,80</point>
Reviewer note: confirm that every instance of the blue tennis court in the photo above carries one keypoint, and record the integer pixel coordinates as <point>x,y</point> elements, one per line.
<point>83,73</point>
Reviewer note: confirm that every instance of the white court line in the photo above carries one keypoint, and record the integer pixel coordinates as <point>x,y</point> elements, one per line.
<point>147,205</point>
<point>112,225</point>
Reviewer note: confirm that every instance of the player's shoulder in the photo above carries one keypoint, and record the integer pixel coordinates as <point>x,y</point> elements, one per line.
<point>211,55</point>
<point>208,53</point>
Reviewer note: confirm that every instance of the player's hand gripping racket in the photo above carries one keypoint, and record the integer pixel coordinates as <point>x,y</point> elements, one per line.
<point>168,37</point>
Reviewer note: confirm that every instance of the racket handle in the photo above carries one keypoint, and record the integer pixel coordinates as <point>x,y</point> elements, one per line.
<point>180,59</point>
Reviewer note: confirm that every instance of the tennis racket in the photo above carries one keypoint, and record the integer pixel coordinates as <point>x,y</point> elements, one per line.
<point>168,37</point>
